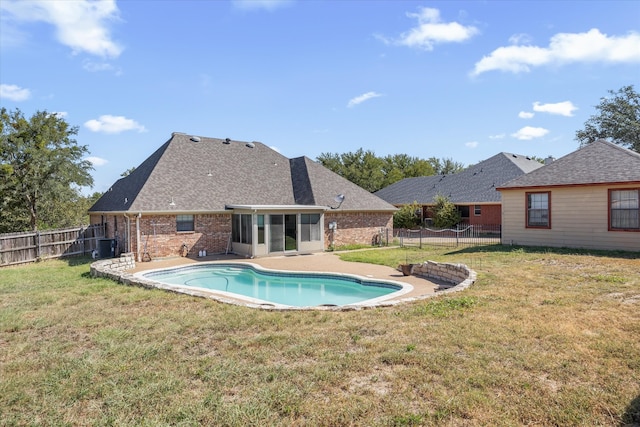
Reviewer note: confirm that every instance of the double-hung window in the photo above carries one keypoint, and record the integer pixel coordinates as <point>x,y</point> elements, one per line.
<point>539,210</point>
<point>184,223</point>
<point>624,209</point>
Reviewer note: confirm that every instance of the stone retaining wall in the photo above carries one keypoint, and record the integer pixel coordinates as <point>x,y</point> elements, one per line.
<point>458,275</point>
<point>113,268</point>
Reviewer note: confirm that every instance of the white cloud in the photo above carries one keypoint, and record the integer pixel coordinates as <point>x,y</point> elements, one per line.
<point>261,4</point>
<point>520,39</point>
<point>431,31</point>
<point>565,108</point>
<point>528,133</point>
<point>95,67</point>
<point>564,48</point>
<point>97,161</point>
<point>82,25</point>
<point>61,114</point>
<point>525,114</point>
<point>113,124</point>
<point>14,93</point>
<point>471,144</point>
<point>361,98</point>
<point>498,136</point>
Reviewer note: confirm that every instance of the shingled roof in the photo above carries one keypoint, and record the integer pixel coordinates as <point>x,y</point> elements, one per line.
<point>476,184</point>
<point>600,162</point>
<point>200,174</point>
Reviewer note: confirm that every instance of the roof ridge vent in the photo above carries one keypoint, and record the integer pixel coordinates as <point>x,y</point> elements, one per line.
<point>195,138</point>
<point>226,141</point>
<point>250,145</point>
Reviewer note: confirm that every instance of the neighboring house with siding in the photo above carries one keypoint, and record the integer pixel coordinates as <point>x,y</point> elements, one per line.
<point>197,193</point>
<point>472,190</point>
<point>589,199</point>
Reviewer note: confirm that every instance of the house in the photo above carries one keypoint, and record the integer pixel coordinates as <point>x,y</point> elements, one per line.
<point>472,190</point>
<point>589,199</point>
<point>197,194</point>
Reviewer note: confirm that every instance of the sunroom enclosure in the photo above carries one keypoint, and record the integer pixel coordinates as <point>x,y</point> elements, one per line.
<point>260,231</point>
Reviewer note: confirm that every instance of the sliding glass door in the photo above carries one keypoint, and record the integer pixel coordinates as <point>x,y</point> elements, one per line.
<point>283,233</point>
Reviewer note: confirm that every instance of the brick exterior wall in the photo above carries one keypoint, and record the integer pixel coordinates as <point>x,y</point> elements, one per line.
<point>212,231</point>
<point>490,215</point>
<point>355,227</point>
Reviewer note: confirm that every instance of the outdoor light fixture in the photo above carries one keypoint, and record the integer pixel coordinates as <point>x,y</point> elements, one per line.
<point>339,199</point>
<point>172,203</point>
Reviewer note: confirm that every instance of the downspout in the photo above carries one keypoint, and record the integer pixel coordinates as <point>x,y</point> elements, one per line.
<point>127,242</point>
<point>138,258</point>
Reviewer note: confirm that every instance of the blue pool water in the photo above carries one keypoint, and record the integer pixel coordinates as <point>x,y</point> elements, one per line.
<point>260,286</point>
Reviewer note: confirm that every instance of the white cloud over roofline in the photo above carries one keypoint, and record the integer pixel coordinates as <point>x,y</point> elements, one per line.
<point>113,124</point>
<point>14,93</point>
<point>564,48</point>
<point>81,24</point>
<point>528,133</point>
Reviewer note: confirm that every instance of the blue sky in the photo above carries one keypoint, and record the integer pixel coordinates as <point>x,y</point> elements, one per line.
<point>459,80</point>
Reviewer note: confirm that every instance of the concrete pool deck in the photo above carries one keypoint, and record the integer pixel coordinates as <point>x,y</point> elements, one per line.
<point>326,262</point>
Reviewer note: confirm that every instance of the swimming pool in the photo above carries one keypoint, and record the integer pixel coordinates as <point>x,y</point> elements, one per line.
<point>257,285</point>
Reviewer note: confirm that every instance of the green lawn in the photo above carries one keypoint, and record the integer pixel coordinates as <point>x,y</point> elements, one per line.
<point>544,337</point>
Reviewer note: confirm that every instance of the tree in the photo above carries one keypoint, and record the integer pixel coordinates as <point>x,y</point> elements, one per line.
<point>444,212</point>
<point>408,216</point>
<point>372,173</point>
<point>445,166</point>
<point>618,120</point>
<point>362,168</point>
<point>40,163</point>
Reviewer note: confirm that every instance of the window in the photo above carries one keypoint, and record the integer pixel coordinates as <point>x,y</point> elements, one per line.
<point>310,227</point>
<point>260,229</point>
<point>624,209</point>
<point>477,210</point>
<point>241,229</point>
<point>184,223</point>
<point>538,210</point>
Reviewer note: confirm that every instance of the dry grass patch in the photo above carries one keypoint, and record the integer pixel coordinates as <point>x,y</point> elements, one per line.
<point>543,338</point>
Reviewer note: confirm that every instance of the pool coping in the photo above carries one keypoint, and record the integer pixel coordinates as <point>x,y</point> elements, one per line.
<point>404,288</point>
<point>437,279</point>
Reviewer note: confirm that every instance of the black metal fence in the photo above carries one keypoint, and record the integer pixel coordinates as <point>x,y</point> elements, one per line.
<point>463,235</point>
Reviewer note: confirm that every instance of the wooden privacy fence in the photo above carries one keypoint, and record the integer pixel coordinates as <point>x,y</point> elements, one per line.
<point>18,248</point>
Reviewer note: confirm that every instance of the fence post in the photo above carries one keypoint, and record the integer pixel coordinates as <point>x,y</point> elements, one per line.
<point>457,234</point>
<point>37,242</point>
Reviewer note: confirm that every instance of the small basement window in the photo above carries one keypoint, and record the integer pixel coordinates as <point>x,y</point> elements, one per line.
<point>184,223</point>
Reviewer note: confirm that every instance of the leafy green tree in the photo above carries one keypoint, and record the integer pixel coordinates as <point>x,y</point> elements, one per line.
<point>618,120</point>
<point>408,216</point>
<point>362,168</point>
<point>444,212</point>
<point>40,162</point>
<point>445,166</point>
<point>372,173</point>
